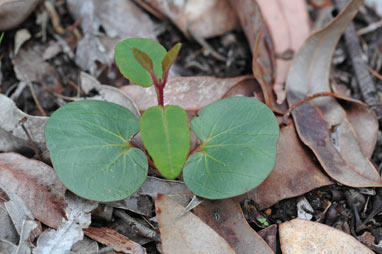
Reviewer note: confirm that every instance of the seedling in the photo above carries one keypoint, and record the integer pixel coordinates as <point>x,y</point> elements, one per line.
<point>90,141</point>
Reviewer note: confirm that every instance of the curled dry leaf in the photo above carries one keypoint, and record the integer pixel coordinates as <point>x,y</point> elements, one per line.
<point>117,241</point>
<point>303,174</point>
<point>14,12</point>
<point>107,93</point>
<point>300,236</point>
<point>139,203</point>
<point>69,232</point>
<point>12,135</point>
<point>227,219</point>
<point>190,93</point>
<point>322,123</point>
<point>202,19</point>
<point>36,184</point>
<point>288,23</point>
<point>187,233</point>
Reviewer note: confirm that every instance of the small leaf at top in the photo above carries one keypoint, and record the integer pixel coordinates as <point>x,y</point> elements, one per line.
<point>143,59</point>
<point>238,150</point>
<point>131,68</point>
<point>166,137</point>
<point>170,57</point>
<point>90,150</point>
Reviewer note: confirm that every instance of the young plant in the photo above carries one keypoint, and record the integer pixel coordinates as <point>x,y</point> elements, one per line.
<point>90,148</point>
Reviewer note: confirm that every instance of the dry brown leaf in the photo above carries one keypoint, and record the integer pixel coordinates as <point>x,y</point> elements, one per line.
<point>202,19</point>
<point>300,237</point>
<point>14,12</point>
<point>12,134</point>
<point>186,234</point>
<point>294,174</point>
<point>190,93</point>
<point>36,184</point>
<point>288,23</point>
<point>322,123</point>
<point>108,236</point>
<point>269,234</point>
<point>227,219</point>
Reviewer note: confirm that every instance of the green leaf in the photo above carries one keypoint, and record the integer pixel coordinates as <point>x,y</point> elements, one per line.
<point>170,57</point>
<point>238,149</point>
<point>166,137</point>
<point>131,68</point>
<point>143,59</point>
<point>1,37</point>
<point>90,151</point>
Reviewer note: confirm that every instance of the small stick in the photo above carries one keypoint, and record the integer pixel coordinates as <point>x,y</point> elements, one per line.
<point>36,100</point>
<point>137,226</point>
<point>34,147</point>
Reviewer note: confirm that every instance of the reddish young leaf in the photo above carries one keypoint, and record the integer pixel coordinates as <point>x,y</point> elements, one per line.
<point>143,59</point>
<point>169,58</point>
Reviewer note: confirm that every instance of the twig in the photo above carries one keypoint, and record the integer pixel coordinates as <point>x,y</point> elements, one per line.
<point>375,74</point>
<point>34,147</point>
<point>365,82</point>
<point>370,28</point>
<point>36,100</point>
<point>137,226</point>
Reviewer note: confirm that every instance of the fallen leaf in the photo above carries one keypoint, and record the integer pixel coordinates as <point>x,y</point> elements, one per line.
<point>107,93</point>
<point>288,23</point>
<point>300,236</point>
<point>21,36</point>
<point>227,219</point>
<point>110,237</point>
<point>199,18</point>
<point>13,136</point>
<point>139,203</point>
<point>303,174</point>
<point>187,233</point>
<point>7,229</point>
<point>60,241</point>
<point>118,24</point>
<point>252,23</point>
<point>333,139</point>
<point>14,12</point>
<point>36,184</point>
<point>85,246</point>
<point>269,236</point>
<point>190,93</point>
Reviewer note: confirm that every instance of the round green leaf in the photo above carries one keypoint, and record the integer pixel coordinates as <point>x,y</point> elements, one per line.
<point>131,68</point>
<point>238,150</point>
<point>166,137</point>
<point>90,151</point>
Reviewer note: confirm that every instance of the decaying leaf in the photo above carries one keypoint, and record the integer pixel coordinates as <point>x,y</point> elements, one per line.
<point>300,237</point>
<point>36,184</point>
<point>322,123</point>
<point>118,23</point>
<point>202,19</point>
<point>190,93</point>
<point>7,229</point>
<point>227,219</point>
<point>14,12</point>
<point>119,242</point>
<point>107,93</point>
<point>139,203</point>
<point>188,233</point>
<point>288,23</point>
<point>294,174</point>
<point>12,134</point>
<point>60,241</point>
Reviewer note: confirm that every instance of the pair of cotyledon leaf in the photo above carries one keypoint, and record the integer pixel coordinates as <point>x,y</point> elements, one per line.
<point>89,141</point>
